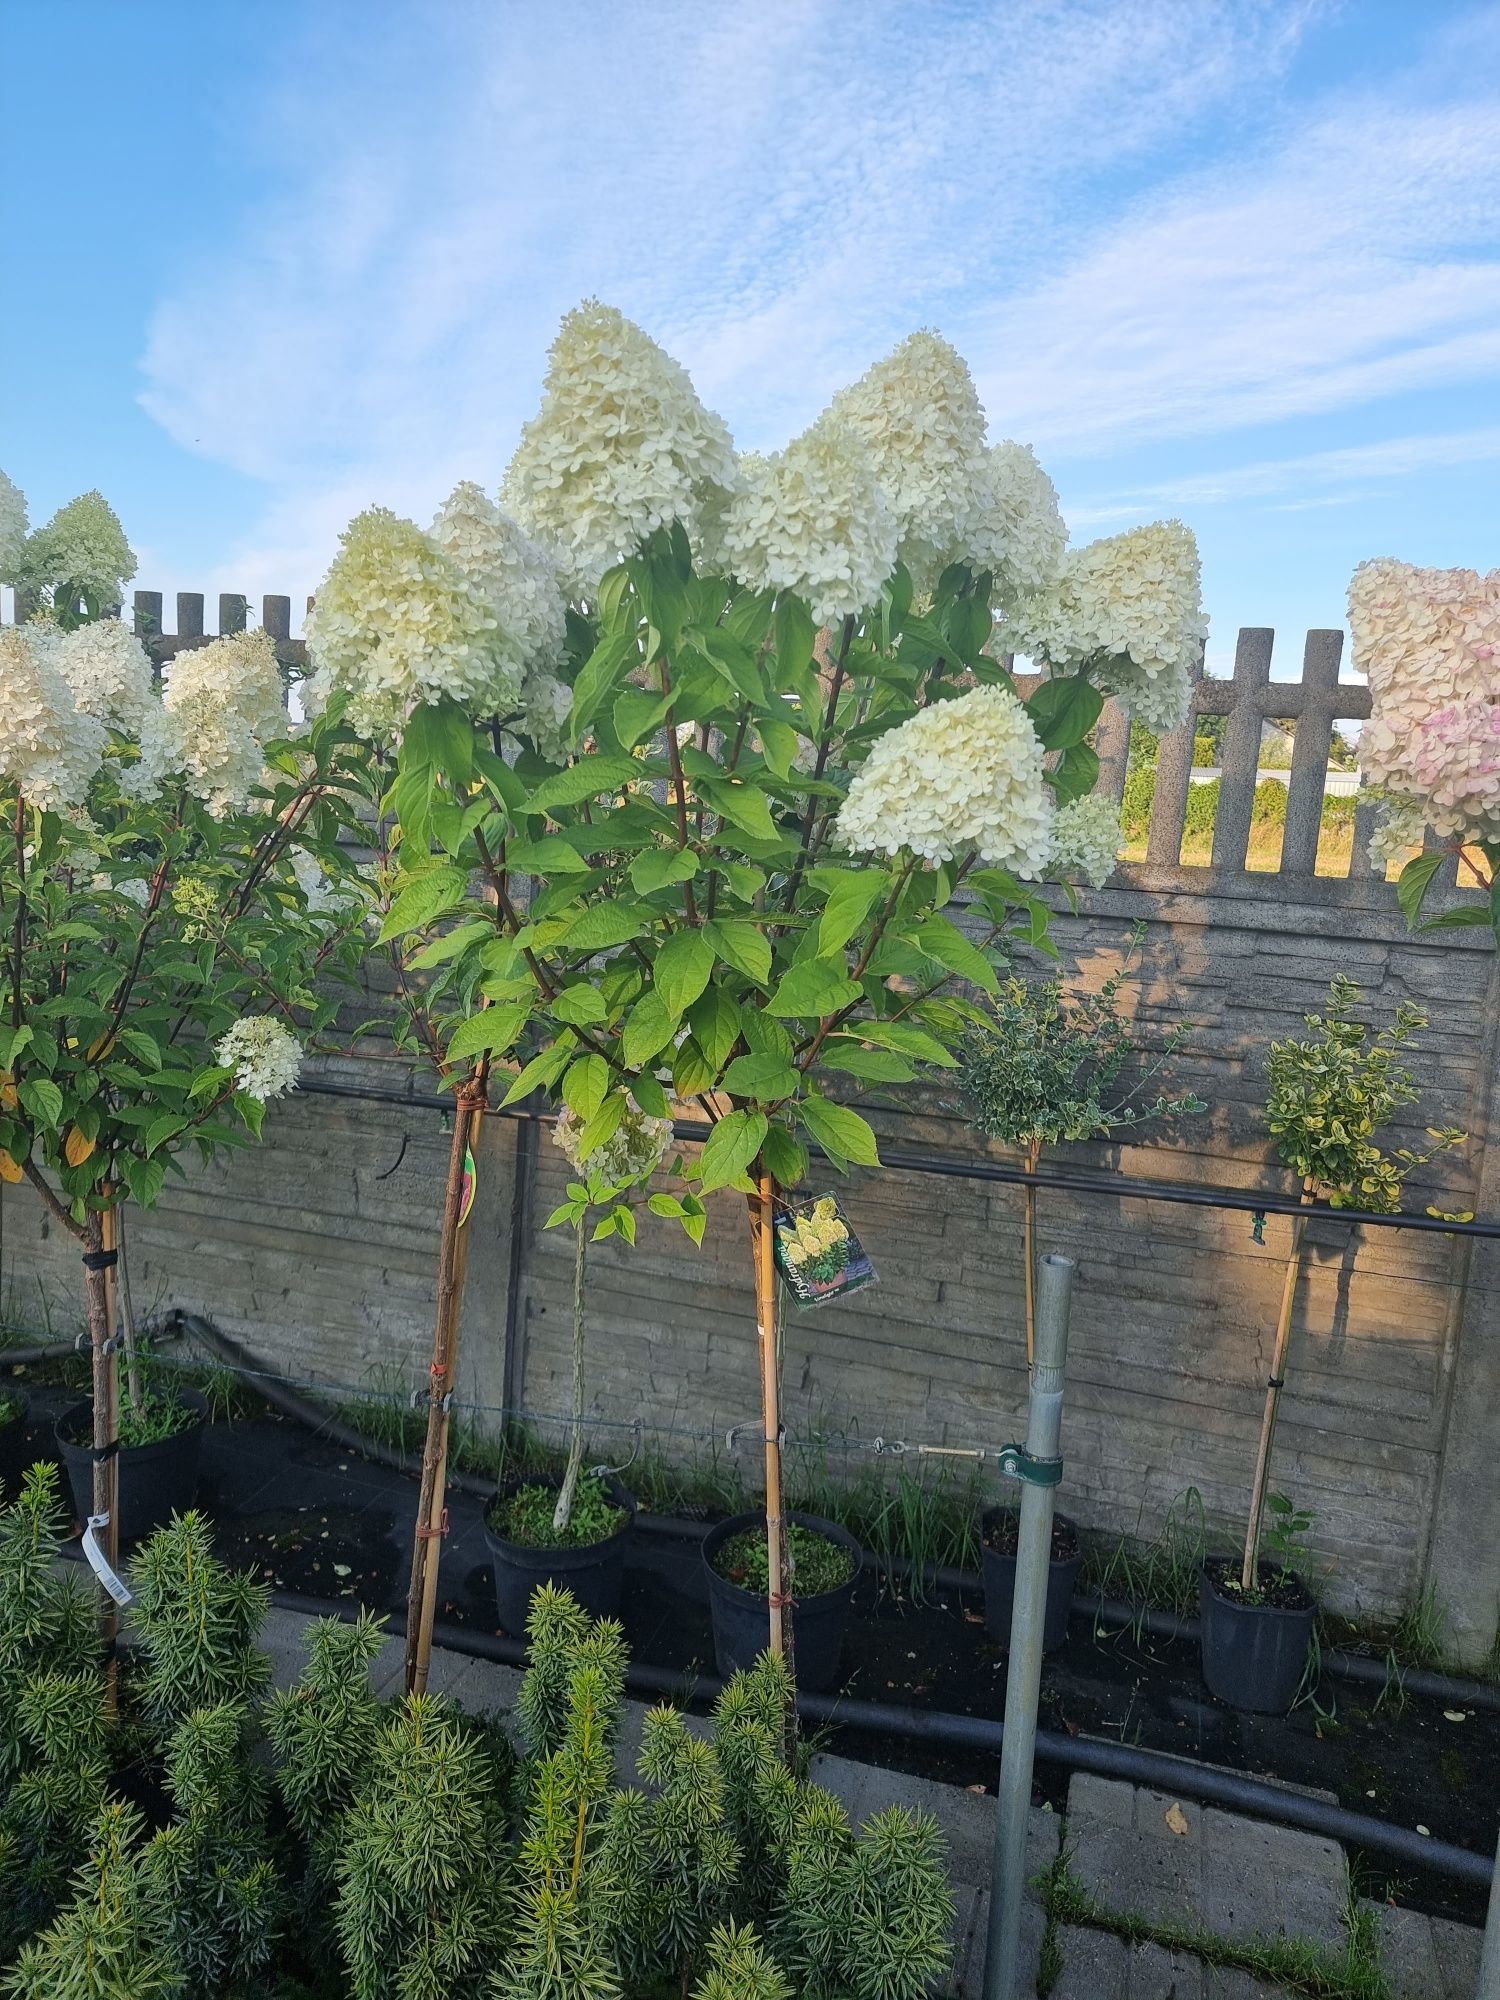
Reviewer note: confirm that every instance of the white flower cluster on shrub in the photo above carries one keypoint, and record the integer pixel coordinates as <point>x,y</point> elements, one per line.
<point>396,623</point>
<point>1086,839</point>
<point>13,526</point>
<point>620,447</point>
<point>919,417</point>
<point>265,1056</point>
<point>1127,608</point>
<point>1017,530</point>
<point>1429,641</point>
<point>961,774</point>
<point>109,672</point>
<point>49,749</point>
<point>515,579</point>
<point>813,519</point>
<point>224,701</point>
<point>83,547</point>
<point>632,1154</point>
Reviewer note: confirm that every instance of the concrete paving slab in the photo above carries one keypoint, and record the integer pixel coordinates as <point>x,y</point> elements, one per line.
<point>966,1818</point>
<point>1223,1983</point>
<point>1158,1974</point>
<point>1427,1958</point>
<point>1095,1966</point>
<point>1127,1854</point>
<point>1268,1881</point>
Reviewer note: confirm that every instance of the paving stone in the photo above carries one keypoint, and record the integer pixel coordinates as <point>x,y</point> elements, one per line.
<point>966,1818</point>
<point>1157,1974</point>
<point>1427,1958</point>
<point>1227,1983</point>
<point>1127,1856</point>
<point>1264,1881</point>
<point>1095,1966</point>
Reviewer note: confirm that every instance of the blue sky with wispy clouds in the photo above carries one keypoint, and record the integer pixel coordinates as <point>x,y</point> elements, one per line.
<point>1231,259</point>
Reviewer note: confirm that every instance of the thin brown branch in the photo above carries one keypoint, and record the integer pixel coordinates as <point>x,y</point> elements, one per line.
<point>56,1208</point>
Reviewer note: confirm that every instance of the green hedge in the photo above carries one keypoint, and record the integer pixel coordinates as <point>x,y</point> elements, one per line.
<point>1269,808</point>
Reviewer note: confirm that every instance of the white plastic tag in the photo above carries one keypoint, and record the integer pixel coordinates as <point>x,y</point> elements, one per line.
<point>99,1563</point>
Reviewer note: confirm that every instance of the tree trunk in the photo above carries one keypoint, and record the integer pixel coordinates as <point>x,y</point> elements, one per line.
<point>98,1250</point>
<point>127,1320</point>
<point>421,1601</point>
<point>779,1568</point>
<point>1250,1566</point>
<point>1033,1154</point>
<point>563,1513</point>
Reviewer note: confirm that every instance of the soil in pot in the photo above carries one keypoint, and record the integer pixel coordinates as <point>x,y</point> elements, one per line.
<point>160,1448</point>
<point>1254,1644</point>
<point>825,1563</point>
<point>587,1557</point>
<point>1000,1529</point>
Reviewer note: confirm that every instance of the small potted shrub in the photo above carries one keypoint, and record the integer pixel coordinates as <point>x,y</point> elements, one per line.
<point>1329,1097</point>
<point>161,1441</point>
<point>573,1530</point>
<point>1038,1069</point>
<point>822,1561</point>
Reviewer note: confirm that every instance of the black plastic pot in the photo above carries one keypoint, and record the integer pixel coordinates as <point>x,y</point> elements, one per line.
<point>1000,1583</point>
<point>156,1480</point>
<point>1254,1655</point>
<point>742,1618</point>
<point>594,1572</point>
<point>16,1448</point>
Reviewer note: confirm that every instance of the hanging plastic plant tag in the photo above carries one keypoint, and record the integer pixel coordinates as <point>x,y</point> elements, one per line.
<point>100,1564</point>
<point>818,1254</point>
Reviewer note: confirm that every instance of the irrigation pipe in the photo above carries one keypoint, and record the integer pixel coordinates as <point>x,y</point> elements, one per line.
<point>1159,1770</point>
<point>1111,1611</point>
<point>65,1350</point>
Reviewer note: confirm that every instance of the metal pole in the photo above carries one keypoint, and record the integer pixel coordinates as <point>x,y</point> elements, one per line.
<point>1489,1964</point>
<point>1028,1616</point>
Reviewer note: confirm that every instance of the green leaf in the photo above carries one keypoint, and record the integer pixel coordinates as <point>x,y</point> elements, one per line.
<point>743,947</point>
<point>814,989</point>
<point>587,779</point>
<point>749,618</point>
<point>665,1205</point>
<point>692,1072</point>
<point>1414,882</point>
<point>850,901</point>
<point>659,867</point>
<point>551,855</point>
<point>441,735</point>
<point>715,1022</point>
<point>795,633</point>
<point>580,1004</point>
<point>869,1065</point>
<point>584,1085</point>
<point>603,1125</point>
<point>1467,917</point>
<point>765,1036</point>
<point>909,1040</point>
<point>945,942</point>
<point>780,743</point>
<point>766,1078</point>
<point>603,926</point>
<point>637,713</point>
<point>1075,773</point>
<point>450,944</point>
<point>493,1031</point>
<point>421,902</point>
<point>684,965</point>
<point>43,1100</point>
<point>144,1179</point>
<point>145,1048</point>
<point>842,1133</point>
<point>608,664</point>
<point>162,1129</point>
<point>730,1147</point>
<point>542,1070</point>
<point>650,1096</point>
<point>1064,711</point>
<point>649,1028</point>
<point>785,1157</point>
<point>741,805</point>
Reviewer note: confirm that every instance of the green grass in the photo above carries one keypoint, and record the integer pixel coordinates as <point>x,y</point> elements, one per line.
<point>1156,1575</point>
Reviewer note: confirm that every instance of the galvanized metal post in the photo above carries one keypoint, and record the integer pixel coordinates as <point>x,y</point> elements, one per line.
<point>1027,1619</point>
<point>1489,1965</point>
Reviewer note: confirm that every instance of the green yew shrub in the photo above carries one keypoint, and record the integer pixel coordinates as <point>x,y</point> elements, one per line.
<point>195,1621</point>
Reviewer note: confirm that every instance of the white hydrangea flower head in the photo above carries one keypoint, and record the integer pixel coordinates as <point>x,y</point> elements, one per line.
<point>225,701</point>
<point>814,519</point>
<point>13,526</point>
<point>621,446</point>
<point>1161,701</point>
<point>1086,839</point>
<point>633,1153</point>
<point>266,1057</point>
<point>1127,609</point>
<point>322,897</point>
<point>109,671</point>
<point>396,624</point>
<point>1429,640</point>
<point>1401,826</point>
<point>515,578</point>
<point>83,547</point>
<point>918,415</point>
<point>49,749</point>
<point>1017,531</point>
<point>546,704</point>
<point>963,774</point>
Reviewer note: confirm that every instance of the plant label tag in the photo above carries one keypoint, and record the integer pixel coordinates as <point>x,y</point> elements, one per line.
<point>818,1254</point>
<point>99,1563</point>
<point>470,1186</point>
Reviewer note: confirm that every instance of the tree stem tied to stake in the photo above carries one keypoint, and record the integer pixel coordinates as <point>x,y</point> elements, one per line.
<point>421,1602</point>
<point>778,1568</point>
<point>99,1246</point>
<point>1250,1566</point>
<point>1033,1155</point>
<point>564,1510</point>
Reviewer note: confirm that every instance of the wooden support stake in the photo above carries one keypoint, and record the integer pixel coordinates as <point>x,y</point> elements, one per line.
<point>99,1240</point>
<point>1033,1154</point>
<point>426,1559</point>
<point>1274,1387</point>
<point>781,1583</point>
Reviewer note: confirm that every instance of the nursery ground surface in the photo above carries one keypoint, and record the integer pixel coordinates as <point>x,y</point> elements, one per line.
<point>312,1518</point>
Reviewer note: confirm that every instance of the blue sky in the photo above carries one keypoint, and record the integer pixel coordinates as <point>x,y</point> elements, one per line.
<point>269,261</point>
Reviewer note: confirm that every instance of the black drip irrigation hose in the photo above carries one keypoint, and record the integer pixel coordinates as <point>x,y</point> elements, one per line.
<point>64,1350</point>
<point>1158,1769</point>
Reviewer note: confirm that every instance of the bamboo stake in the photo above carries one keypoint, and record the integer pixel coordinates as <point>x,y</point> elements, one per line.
<point>1033,1154</point>
<point>421,1601</point>
<point>1274,1387</point>
<point>99,1242</point>
<point>762,1220</point>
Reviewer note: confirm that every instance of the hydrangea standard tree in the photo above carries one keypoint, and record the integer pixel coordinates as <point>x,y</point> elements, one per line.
<point>172,886</point>
<point>727,882</point>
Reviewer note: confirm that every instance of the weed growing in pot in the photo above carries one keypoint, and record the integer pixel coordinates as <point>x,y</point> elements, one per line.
<point>817,1564</point>
<point>529,1516</point>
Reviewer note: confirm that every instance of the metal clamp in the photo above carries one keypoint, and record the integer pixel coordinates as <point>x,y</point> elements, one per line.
<point>1016,1462</point>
